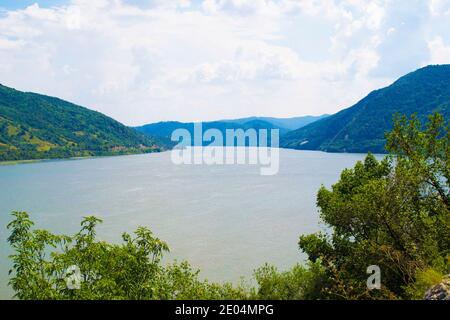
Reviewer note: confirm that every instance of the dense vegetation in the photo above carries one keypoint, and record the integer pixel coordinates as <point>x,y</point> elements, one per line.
<point>392,213</point>
<point>163,130</point>
<point>132,270</point>
<point>361,128</point>
<point>34,126</point>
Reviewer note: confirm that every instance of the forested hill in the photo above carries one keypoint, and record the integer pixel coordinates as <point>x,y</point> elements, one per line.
<point>163,130</point>
<point>34,126</point>
<point>361,128</point>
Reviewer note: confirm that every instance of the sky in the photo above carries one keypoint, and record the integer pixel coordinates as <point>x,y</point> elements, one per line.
<point>143,61</point>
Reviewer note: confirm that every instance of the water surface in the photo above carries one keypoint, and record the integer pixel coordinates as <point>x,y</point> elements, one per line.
<point>225,220</point>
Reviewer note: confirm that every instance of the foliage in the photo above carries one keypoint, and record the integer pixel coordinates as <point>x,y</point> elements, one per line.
<point>131,270</point>
<point>392,213</point>
<point>361,127</point>
<point>34,126</point>
<point>425,279</point>
<point>299,282</point>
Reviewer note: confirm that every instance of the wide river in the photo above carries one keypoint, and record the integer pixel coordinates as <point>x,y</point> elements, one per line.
<point>224,219</point>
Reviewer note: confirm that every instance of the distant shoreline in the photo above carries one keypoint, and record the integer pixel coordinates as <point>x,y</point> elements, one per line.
<point>14,162</point>
<point>29,161</point>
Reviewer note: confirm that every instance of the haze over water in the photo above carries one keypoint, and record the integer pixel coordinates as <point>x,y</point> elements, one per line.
<point>224,219</point>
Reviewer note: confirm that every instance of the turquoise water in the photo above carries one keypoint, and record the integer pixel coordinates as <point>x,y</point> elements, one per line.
<point>225,219</point>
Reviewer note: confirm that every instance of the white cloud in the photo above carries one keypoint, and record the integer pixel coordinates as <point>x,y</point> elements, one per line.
<point>242,7</point>
<point>6,44</point>
<point>249,63</point>
<point>183,60</point>
<point>439,52</point>
<point>439,7</point>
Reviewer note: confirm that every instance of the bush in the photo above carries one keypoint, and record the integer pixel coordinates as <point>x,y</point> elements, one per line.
<point>300,282</point>
<point>131,270</point>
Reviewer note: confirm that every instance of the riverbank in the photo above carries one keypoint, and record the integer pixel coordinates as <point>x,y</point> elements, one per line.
<point>27,161</point>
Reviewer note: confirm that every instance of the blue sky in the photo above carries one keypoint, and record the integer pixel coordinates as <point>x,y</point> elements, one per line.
<point>20,4</point>
<point>151,60</point>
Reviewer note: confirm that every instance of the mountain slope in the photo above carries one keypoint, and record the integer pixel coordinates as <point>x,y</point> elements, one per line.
<point>286,123</point>
<point>361,128</point>
<point>34,126</point>
<point>163,130</point>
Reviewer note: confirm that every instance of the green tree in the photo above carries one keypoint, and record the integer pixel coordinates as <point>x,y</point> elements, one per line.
<point>131,270</point>
<point>392,213</point>
<point>298,283</point>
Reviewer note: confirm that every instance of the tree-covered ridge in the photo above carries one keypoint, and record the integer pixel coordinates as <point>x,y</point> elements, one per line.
<point>163,130</point>
<point>34,126</point>
<point>361,128</point>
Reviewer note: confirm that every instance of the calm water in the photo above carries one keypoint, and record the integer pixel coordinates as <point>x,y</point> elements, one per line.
<point>225,220</point>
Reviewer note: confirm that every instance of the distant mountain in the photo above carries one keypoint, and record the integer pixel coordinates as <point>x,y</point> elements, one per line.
<point>163,130</point>
<point>286,123</point>
<point>34,126</point>
<point>361,128</point>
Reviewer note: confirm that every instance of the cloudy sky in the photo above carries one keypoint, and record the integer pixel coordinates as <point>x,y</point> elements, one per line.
<point>143,61</point>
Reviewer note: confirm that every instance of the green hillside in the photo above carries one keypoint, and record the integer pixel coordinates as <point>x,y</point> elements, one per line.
<point>361,128</point>
<point>34,126</point>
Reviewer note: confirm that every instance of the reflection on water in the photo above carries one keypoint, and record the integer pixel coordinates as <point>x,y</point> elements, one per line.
<point>225,220</point>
